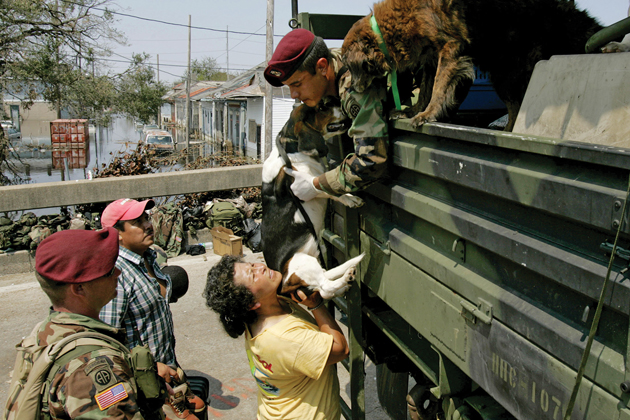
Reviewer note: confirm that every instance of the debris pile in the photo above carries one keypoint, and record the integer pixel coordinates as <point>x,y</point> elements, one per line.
<point>237,209</point>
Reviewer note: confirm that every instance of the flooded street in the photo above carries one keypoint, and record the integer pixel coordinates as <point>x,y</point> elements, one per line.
<point>35,154</point>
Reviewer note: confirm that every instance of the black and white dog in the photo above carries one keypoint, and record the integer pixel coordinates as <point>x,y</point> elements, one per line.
<point>289,244</point>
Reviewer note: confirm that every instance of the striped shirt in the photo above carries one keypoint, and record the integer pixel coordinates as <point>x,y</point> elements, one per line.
<point>140,309</point>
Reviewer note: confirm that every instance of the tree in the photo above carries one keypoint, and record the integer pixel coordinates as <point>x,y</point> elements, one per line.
<point>204,69</point>
<point>139,95</point>
<point>79,25</point>
<point>44,45</point>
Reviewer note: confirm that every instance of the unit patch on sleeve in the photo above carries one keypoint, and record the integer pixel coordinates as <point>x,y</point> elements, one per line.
<point>102,376</point>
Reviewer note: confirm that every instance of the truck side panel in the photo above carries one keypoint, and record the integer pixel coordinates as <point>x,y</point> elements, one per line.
<point>492,248</point>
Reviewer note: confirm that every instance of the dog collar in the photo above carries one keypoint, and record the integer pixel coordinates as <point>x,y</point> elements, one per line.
<point>393,74</point>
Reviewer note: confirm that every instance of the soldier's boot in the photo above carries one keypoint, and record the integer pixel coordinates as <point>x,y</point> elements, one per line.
<point>421,403</point>
<point>176,406</point>
<point>196,404</point>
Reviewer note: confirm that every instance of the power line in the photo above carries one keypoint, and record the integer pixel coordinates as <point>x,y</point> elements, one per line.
<point>179,40</point>
<point>169,23</point>
<point>161,64</point>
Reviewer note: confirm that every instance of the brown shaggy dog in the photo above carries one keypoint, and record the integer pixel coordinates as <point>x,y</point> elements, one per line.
<point>437,42</point>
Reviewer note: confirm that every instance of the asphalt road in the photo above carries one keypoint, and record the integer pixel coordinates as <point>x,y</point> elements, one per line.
<point>203,347</point>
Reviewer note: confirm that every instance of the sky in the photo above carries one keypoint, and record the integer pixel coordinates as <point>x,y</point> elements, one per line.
<point>234,30</point>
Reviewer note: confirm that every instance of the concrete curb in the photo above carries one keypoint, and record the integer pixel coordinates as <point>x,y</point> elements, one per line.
<point>17,262</point>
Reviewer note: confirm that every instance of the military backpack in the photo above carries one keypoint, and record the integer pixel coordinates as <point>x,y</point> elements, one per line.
<point>168,228</point>
<point>36,366</point>
<point>224,213</point>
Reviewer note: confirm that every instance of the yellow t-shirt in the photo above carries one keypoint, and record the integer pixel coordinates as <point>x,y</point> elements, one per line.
<point>288,361</point>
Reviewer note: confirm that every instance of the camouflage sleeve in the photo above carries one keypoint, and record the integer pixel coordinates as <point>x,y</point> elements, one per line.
<point>369,133</point>
<point>97,385</point>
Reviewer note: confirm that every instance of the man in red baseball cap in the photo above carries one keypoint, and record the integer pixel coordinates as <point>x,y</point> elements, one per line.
<point>76,269</point>
<point>317,76</point>
<point>142,303</point>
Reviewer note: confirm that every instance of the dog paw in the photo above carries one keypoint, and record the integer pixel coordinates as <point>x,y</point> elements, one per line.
<point>351,274</point>
<point>422,118</point>
<point>350,200</point>
<point>397,115</point>
<point>615,47</point>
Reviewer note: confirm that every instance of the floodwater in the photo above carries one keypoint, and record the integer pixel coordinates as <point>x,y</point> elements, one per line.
<point>35,158</point>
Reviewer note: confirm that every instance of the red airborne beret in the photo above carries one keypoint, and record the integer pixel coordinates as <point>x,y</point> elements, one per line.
<point>77,256</point>
<point>289,55</point>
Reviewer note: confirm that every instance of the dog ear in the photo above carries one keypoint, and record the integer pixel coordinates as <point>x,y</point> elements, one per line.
<point>291,284</point>
<point>380,64</point>
<point>355,59</point>
<point>310,141</point>
<point>298,113</point>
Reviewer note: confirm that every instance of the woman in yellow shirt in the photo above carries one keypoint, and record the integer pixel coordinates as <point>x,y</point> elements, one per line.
<point>292,353</point>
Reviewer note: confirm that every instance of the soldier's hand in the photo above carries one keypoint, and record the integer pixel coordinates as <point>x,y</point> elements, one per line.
<point>303,186</point>
<point>165,371</point>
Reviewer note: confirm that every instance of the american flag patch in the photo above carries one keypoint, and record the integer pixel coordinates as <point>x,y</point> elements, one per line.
<point>111,396</point>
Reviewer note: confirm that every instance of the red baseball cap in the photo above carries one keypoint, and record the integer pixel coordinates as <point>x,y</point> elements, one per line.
<point>77,256</point>
<point>124,209</point>
<point>289,55</point>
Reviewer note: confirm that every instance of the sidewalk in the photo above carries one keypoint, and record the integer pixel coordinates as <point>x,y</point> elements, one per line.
<point>203,347</point>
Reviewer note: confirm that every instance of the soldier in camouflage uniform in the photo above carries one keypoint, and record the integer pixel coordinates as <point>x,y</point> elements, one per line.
<point>78,286</point>
<point>317,77</point>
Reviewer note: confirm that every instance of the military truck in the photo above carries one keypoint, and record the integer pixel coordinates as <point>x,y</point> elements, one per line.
<point>490,256</point>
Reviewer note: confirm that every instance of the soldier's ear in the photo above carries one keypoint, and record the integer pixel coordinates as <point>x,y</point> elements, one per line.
<point>77,289</point>
<point>322,65</point>
<point>255,306</point>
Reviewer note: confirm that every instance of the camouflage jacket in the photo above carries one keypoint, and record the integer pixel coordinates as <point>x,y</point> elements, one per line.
<point>99,374</point>
<point>368,131</point>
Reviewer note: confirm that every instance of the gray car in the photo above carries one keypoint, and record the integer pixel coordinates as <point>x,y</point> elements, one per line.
<point>12,133</point>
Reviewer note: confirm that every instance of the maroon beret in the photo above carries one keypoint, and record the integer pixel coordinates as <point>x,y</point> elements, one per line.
<point>289,55</point>
<point>77,256</point>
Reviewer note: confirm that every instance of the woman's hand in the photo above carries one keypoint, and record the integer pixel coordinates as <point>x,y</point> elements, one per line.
<point>309,301</point>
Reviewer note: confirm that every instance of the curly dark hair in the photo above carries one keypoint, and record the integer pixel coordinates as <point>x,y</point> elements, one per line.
<point>230,301</point>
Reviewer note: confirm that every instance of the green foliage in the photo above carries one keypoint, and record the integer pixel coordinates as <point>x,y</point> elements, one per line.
<point>47,51</point>
<point>205,69</point>
<point>139,95</point>
<point>79,25</point>
<point>51,75</point>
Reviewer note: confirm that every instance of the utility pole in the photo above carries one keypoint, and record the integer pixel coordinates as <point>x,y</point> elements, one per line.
<point>188,94</point>
<point>159,121</point>
<point>227,53</point>
<point>268,87</point>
